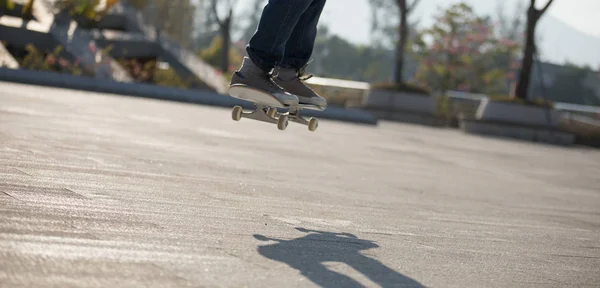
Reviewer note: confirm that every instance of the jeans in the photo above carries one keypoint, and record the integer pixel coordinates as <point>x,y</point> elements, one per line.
<point>286,34</point>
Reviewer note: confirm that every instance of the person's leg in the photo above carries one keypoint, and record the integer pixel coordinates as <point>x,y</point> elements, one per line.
<point>279,19</point>
<point>298,51</point>
<point>266,49</point>
<point>299,47</point>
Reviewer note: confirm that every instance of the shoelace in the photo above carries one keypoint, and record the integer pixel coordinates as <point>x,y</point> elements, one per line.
<point>266,78</point>
<point>302,75</point>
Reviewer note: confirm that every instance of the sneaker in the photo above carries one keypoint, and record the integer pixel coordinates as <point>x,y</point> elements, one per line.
<point>250,79</point>
<point>292,81</point>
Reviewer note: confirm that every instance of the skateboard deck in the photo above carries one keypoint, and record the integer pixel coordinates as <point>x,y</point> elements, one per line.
<point>268,109</point>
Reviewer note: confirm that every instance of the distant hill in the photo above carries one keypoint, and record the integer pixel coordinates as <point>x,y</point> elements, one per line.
<point>561,43</point>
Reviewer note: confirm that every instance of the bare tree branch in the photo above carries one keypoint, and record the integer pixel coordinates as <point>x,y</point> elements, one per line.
<point>230,14</point>
<point>545,8</point>
<point>216,14</point>
<point>413,5</point>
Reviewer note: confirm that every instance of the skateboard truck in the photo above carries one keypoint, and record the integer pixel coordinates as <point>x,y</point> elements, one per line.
<point>271,115</point>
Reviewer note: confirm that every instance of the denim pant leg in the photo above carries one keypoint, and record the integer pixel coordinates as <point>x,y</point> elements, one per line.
<point>279,17</point>
<point>299,47</point>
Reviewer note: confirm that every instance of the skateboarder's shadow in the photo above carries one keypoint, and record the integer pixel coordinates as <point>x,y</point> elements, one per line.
<point>307,254</point>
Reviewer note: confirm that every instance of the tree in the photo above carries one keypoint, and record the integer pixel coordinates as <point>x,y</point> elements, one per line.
<point>253,20</point>
<point>27,12</point>
<point>174,18</point>
<point>533,16</point>
<point>170,18</point>
<point>511,27</point>
<point>225,24</point>
<point>402,12</point>
<point>336,57</point>
<point>461,51</point>
<point>206,27</point>
<point>213,55</point>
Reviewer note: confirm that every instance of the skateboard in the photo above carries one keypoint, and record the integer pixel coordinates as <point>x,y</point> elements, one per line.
<point>268,109</point>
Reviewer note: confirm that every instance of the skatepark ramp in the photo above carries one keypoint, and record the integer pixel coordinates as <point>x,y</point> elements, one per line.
<point>182,60</point>
<point>87,41</point>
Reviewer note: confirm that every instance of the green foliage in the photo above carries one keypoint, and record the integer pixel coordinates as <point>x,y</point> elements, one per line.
<point>52,61</point>
<point>81,8</point>
<point>24,11</point>
<point>461,51</point>
<point>6,5</point>
<point>443,107</point>
<point>337,58</point>
<point>141,70</point>
<point>168,77</point>
<point>212,55</point>
<point>37,60</point>
<point>174,19</point>
<point>87,12</point>
<point>148,71</point>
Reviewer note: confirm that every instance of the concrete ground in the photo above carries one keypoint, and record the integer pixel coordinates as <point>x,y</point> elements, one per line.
<point>110,191</point>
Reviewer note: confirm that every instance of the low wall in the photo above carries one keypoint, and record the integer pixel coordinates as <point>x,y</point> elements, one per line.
<point>404,107</point>
<point>517,121</point>
<point>204,97</point>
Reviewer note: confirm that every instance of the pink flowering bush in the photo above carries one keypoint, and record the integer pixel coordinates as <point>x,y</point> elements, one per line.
<point>462,51</point>
<point>56,61</point>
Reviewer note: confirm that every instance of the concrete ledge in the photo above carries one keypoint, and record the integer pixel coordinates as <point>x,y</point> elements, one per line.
<point>163,93</point>
<point>408,117</point>
<point>463,105</point>
<point>586,129</point>
<point>518,114</point>
<point>517,121</point>
<point>517,132</point>
<point>403,107</point>
<point>383,99</point>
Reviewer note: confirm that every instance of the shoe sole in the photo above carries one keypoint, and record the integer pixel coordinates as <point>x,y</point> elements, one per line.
<point>247,93</point>
<point>304,105</point>
<point>310,106</point>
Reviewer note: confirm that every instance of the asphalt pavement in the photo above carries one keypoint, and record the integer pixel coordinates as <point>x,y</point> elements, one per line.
<point>100,190</point>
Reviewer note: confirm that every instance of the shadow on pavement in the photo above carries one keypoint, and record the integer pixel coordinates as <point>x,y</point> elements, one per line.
<point>307,255</point>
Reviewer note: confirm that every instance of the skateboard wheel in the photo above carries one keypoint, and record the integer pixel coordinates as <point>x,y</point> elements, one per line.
<point>236,113</point>
<point>313,123</point>
<point>282,122</point>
